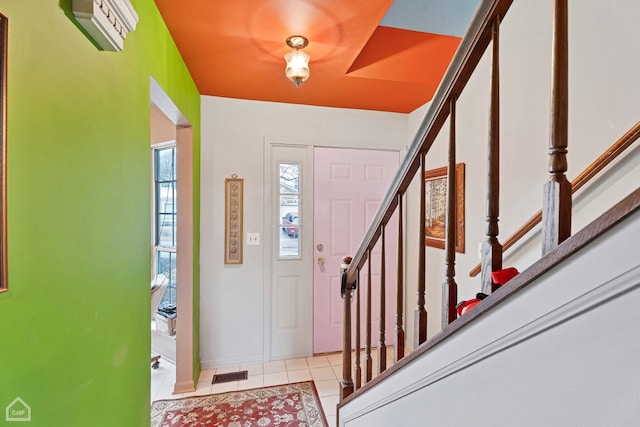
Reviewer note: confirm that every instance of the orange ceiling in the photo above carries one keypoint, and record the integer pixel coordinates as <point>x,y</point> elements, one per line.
<point>235,48</point>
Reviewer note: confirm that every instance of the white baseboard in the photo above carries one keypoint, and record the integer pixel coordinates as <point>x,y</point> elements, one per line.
<point>245,360</point>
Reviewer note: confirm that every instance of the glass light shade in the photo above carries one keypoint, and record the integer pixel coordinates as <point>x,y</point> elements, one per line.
<point>297,66</point>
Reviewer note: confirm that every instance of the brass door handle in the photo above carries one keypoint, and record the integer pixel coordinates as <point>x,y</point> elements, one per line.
<point>321,261</point>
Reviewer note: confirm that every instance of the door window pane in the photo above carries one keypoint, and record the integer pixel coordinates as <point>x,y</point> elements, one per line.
<point>289,198</point>
<point>289,177</point>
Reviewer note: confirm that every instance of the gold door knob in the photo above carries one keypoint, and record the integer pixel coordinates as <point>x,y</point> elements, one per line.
<point>321,261</point>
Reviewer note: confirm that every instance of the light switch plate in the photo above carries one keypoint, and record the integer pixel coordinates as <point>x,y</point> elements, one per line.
<point>253,239</point>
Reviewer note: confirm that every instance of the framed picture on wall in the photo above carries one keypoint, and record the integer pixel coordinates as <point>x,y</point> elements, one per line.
<point>436,207</point>
<point>233,214</point>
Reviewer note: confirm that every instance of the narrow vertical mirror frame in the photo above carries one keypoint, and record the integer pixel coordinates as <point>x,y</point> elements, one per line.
<point>4,283</point>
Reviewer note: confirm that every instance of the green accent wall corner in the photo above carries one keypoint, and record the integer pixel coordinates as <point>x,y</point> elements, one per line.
<point>74,326</point>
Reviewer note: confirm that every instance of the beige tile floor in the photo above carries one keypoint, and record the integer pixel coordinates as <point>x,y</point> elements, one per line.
<point>324,370</point>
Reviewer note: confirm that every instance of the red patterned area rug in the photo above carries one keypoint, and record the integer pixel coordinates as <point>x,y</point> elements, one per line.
<point>288,405</point>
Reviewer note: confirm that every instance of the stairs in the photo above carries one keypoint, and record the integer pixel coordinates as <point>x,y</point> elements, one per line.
<point>558,346</point>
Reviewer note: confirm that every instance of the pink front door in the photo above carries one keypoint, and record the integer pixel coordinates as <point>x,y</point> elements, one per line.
<point>348,188</point>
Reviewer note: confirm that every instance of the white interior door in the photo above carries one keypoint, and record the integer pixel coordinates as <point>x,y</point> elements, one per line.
<point>348,188</point>
<point>290,228</point>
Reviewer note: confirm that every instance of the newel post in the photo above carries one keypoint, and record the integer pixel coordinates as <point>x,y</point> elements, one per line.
<point>346,383</point>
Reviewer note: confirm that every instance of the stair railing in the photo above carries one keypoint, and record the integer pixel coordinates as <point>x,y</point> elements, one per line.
<point>483,30</point>
<point>555,215</point>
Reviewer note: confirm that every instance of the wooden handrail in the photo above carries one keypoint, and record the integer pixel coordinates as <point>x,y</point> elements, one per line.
<point>579,181</point>
<point>463,64</point>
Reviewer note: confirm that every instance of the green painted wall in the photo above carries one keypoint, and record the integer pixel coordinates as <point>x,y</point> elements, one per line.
<point>74,337</point>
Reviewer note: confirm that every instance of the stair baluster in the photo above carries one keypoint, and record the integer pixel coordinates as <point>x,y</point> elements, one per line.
<point>491,248</point>
<point>420,320</point>
<point>449,286</point>
<point>382,347</point>
<point>357,370</point>
<point>368,362</point>
<point>399,338</point>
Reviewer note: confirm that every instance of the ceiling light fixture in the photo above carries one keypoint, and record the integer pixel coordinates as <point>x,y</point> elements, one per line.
<point>297,61</point>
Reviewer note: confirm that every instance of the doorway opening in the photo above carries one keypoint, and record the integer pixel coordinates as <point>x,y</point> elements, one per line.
<point>172,147</point>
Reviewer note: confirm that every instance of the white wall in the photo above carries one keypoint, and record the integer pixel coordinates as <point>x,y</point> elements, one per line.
<point>603,105</point>
<point>233,135</point>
